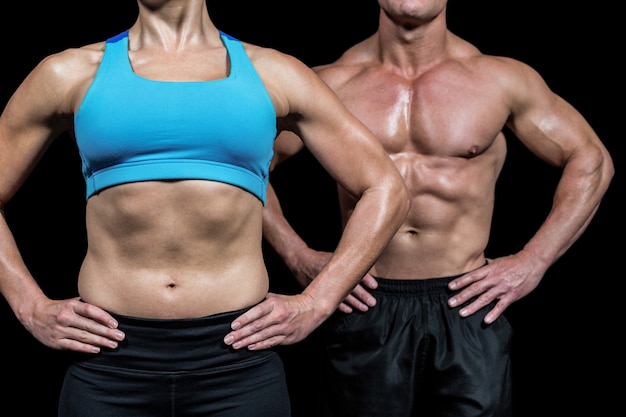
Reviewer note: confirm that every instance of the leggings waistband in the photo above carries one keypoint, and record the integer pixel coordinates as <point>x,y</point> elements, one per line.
<point>173,344</point>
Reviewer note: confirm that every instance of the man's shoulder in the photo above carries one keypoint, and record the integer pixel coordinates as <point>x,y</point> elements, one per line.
<point>350,64</point>
<point>469,55</point>
<point>340,73</point>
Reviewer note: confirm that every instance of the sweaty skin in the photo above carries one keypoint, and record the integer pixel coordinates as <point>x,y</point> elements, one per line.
<point>439,106</point>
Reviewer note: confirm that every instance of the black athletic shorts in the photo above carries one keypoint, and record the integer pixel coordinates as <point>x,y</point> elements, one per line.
<point>412,355</point>
<point>175,368</point>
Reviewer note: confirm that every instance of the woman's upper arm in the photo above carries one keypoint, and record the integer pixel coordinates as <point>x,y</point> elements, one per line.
<point>36,113</point>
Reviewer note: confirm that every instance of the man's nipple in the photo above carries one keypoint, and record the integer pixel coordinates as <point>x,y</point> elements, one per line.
<point>473,150</point>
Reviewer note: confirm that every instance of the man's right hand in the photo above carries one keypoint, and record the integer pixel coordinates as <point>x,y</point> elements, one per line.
<point>310,262</point>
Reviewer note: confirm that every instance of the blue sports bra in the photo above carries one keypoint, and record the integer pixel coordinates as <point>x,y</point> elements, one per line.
<point>130,128</point>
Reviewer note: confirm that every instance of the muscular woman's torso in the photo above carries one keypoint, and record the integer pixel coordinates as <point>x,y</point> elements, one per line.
<point>443,129</point>
<point>173,249</point>
<point>174,196</point>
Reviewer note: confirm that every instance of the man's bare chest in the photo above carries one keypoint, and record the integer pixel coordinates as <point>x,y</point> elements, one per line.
<point>448,119</point>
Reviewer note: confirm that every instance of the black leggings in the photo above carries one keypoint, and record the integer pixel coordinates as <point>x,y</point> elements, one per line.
<point>181,368</point>
<point>412,355</point>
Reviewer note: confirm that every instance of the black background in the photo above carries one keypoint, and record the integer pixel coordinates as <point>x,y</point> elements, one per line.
<point>568,354</point>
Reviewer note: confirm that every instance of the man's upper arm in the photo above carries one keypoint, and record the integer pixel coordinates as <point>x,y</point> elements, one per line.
<point>286,145</point>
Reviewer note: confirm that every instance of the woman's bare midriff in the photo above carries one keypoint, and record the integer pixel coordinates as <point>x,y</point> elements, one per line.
<point>173,249</point>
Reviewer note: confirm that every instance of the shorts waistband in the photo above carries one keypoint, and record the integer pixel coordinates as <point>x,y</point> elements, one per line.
<point>414,286</point>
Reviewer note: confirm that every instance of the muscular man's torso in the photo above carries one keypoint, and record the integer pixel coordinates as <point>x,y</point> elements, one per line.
<point>442,126</point>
